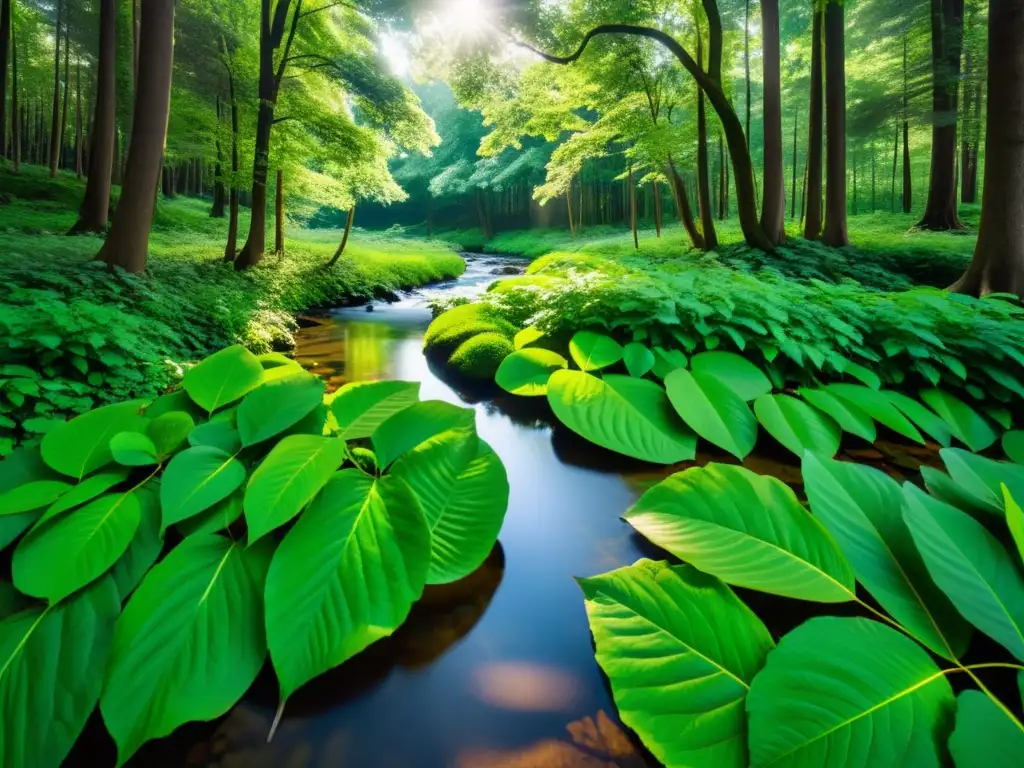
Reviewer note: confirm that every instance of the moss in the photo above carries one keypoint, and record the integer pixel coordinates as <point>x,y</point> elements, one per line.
<point>450,330</point>
<point>523,281</point>
<point>480,356</point>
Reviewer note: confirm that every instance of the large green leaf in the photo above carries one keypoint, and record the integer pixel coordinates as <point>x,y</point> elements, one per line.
<point>712,410</point>
<point>1013,446</point>
<point>133,449</point>
<point>941,486</point>
<point>463,490</point>
<point>67,553</point>
<point>851,693</point>
<point>623,414</point>
<point>982,479</point>
<point>361,407</point>
<point>877,406</point>
<point>748,530</point>
<point>218,517</point>
<point>970,566</point>
<point>21,466</point>
<point>190,642</point>
<point>32,495</point>
<point>964,422</point>
<point>82,445</point>
<point>797,426</point>
<point>344,576</point>
<point>288,479</point>
<point>195,480</point>
<point>51,671</point>
<point>11,600</point>
<point>847,415</point>
<point>223,377</point>
<point>169,431</point>
<point>1015,521</point>
<point>739,374</point>
<point>221,434</point>
<point>680,651</point>
<point>924,418</point>
<point>667,360</point>
<point>416,424</point>
<point>527,336</point>
<point>593,351</point>
<point>87,490</point>
<point>638,358</point>
<point>527,371</point>
<point>862,509</point>
<point>145,546</point>
<point>278,405</point>
<point>986,735</point>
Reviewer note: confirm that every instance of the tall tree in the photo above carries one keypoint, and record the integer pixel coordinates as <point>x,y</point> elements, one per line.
<point>55,113</point>
<point>908,184</point>
<point>835,233</point>
<point>947,17</point>
<point>5,39</point>
<point>67,93</point>
<point>707,216</point>
<point>998,264</point>
<point>129,231</point>
<point>92,217</point>
<point>773,200</point>
<point>812,222</point>
<point>17,124</point>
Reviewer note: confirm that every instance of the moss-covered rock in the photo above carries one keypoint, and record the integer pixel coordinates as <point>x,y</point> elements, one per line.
<point>456,326</point>
<point>480,356</point>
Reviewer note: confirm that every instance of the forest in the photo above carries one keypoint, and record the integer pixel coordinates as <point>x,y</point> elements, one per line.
<point>512,383</point>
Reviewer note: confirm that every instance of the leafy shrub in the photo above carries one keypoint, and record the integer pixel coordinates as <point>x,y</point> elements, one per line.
<point>321,538</point>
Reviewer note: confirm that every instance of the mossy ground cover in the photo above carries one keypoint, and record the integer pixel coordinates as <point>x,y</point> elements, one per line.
<point>93,336</point>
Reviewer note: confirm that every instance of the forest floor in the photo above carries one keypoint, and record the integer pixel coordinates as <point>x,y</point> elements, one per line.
<point>96,336</point>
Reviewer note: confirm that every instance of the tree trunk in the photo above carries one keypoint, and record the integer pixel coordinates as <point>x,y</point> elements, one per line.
<point>344,238</point>
<point>998,264</point>
<point>78,119</point>
<point>723,188</point>
<point>707,216</point>
<point>773,200</point>
<point>874,178</point>
<point>947,42</point>
<point>279,214</point>
<point>895,160</point>
<point>908,190</point>
<point>683,208</point>
<point>855,209</point>
<point>5,43</point>
<point>656,193</point>
<point>135,48</point>
<point>129,232</point>
<point>568,209</point>
<point>746,63</point>
<point>92,217</point>
<point>834,233</point>
<point>632,209</point>
<point>16,119</point>
<point>55,114</point>
<point>796,123</point>
<point>812,222</point>
<point>67,92</point>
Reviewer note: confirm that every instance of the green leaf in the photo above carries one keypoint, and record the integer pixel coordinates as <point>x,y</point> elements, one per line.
<point>739,374</point>
<point>146,544</point>
<point>877,406</point>
<point>638,358</point>
<point>82,445</point>
<point>666,361</point>
<point>1015,519</point>
<point>21,466</point>
<point>288,479</point>
<point>345,576</point>
<point>964,422</point>
<point>849,692</point>
<point>922,417</point>
<point>190,642</point>
<point>629,416</point>
<point>172,402</point>
<point>712,410</point>
<point>985,735</point>
<point>527,336</point>
<point>862,509</point>
<point>223,377</point>
<point>594,351</point>
<point>133,449</point>
<point>216,434</point>
<point>680,651</point>
<point>848,416</point>
<point>970,566</point>
<point>218,517</point>
<point>527,371</point>
<point>278,405</point>
<point>463,491</point>
<point>169,431</point>
<point>51,671</point>
<point>981,479</point>
<point>797,426</point>
<point>1013,446</point>
<point>863,375</point>
<point>32,495</point>
<point>11,600</point>
<point>66,554</point>
<point>87,490</point>
<point>416,424</point>
<point>748,530</point>
<point>363,406</point>
<point>195,480</point>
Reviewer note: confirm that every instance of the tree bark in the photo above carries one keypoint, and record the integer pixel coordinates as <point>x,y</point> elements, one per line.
<point>895,160</point>
<point>656,194</point>
<point>746,63</point>
<point>67,92</point>
<point>92,216</point>
<point>947,42</point>
<point>344,238</point>
<point>78,119</point>
<point>231,247</point>
<point>908,187</point>
<point>55,114</point>
<point>722,184</point>
<point>129,232</point>
<point>16,118</point>
<point>773,199</point>
<point>707,216</point>
<point>816,125</point>
<point>683,207</point>
<point>796,123</point>
<point>568,209</point>
<point>835,233</point>
<point>998,264</point>
<point>632,209</point>
<point>5,43</point>
<point>279,214</point>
